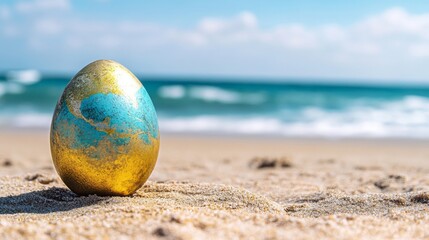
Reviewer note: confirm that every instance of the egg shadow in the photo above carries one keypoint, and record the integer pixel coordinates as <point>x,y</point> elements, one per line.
<point>46,201</point>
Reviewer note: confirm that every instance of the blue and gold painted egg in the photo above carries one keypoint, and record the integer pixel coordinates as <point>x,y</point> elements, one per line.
<point>104,132</point>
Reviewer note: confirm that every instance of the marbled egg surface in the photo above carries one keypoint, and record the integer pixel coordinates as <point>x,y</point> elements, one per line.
<point>104,132</point>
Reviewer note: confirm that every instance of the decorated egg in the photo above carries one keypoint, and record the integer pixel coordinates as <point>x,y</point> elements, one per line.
<point>104,133</point>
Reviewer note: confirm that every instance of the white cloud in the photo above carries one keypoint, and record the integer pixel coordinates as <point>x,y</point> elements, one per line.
<point>333,33</point>
<point>388,31</point>
<point>243,28</point>
<point>243,21</point>
<point>47,26</point>
<point>294,37</point>
<point>396,21</point>
<point>393,39</point>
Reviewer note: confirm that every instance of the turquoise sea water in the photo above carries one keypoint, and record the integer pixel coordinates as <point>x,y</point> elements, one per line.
<point>257,107</point>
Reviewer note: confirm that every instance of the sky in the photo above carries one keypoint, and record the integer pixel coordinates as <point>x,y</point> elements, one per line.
<point>352,40</point>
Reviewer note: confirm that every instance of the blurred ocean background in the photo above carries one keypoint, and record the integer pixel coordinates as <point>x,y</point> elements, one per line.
<point>291,108</point>
<point>330,69</point>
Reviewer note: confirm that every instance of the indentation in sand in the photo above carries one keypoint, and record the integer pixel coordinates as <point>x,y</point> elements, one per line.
<point>205,195</point>
<point>169,195</point>
<point>270,162</point>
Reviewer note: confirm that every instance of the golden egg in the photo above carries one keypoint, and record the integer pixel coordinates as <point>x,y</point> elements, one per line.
<point>104,132</point>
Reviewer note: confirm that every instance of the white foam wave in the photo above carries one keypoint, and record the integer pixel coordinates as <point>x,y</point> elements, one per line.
<point>210,94</point>
<point>273,126</point>
<point>174,91</point>
<point>214,94</point>
<point>26,120</point>
<point>26,77</point>
<point>219,124</point>
<point>10,88</point>
<point>405,118</point>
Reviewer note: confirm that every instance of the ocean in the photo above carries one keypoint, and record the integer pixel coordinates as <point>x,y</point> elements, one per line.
<point>232,107</point>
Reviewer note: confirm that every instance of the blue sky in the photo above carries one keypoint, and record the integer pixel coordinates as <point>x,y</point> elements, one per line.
<point>383,40</point>
<point>186,13</point>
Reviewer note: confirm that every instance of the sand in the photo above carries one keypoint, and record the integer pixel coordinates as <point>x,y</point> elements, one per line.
<point>228,188</point>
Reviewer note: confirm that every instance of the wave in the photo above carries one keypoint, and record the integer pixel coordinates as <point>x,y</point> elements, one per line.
<point>405,118</point>
<point>210,94</point>
<point>10,88</point>
<point>16,80</point>
<point>173,91</point>
<point>26,77</point>
<point>26,120</point>
<point>214,94</point>
<point>291,111</point>
<point>275,127</point>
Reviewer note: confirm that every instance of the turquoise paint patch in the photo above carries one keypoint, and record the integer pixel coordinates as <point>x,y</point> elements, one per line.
<point>108,117</point>
<point>117,113</point>
<point>83,134</point>
<point>117,110</point>
<point>147,112</point>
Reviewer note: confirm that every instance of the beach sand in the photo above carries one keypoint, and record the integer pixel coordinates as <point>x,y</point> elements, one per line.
<point>228,188</point>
